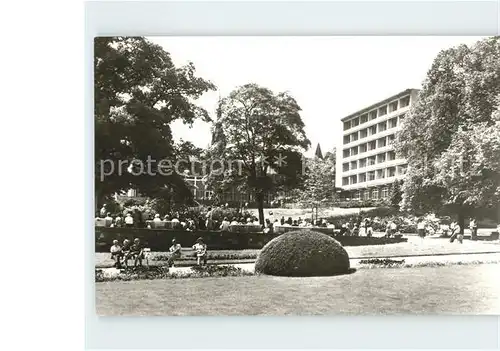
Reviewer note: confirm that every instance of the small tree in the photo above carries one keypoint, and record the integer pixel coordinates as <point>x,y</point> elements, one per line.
<point>318,188</point>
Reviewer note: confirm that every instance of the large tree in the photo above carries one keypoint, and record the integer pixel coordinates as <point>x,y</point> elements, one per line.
<point>446,129</point>
<point>138,93</point>
<point>261,135</point>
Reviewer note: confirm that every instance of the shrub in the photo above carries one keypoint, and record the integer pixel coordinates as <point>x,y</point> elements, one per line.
<point>303,253</point>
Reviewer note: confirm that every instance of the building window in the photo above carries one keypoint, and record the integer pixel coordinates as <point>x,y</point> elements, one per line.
<point>382,111</point>
<point>362,148</point>
<point>402,170</point>
<point>354,136</point>
<point>357,195</point>
<point>385,193</point>
<point>371,160</point>
<point>355,122</point>
<point>404,101</point>
<point>346,139</point>
<point>381,174</point>
<point>347,125</point>
<point>390,139</point>
<point>372,130</point>
<point>354,151</point>
<point>366,195</point>
<point>391,171</point>
<point>375,194</point>
<point>345,153</point>
<point>381,158</point>
<point>393,122</point>
<point>372,115</point>
<point>371,175</point>
<point>364,118</point>
<point>391,156</point>
<point>354,179</point>
<point>382,127</point>
<point>393,106</point>
<point>382,142</point>
<point>363,133</point>
<point>362,163</point>
<point>372,145</point>
<point>354,165</point>
<point>345,167</point>
<point>362,177</point>
<point>345,181</point>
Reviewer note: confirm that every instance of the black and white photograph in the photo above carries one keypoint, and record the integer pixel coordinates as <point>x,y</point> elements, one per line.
<point>294,176</point>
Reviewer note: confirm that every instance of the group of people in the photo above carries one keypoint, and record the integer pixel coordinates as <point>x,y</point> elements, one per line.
<point>121,254</point>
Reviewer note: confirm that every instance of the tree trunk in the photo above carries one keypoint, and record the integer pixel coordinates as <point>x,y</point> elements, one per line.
<point>461,221</point>
<point>260,205</point>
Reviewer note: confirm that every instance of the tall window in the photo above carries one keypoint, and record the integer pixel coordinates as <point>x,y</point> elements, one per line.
<point>347,125</point>
<point>385,193</point>
<point>354,164</point>
<point>362,148</point>
<point>393,106</point>
<point>381,174</point>
<point>375,193</point>
<point>372,130</point>
<point>345,181</point>
<point>391,171</point>
<point>382,142</point>
<point>347,139</point>
<point>391,138</point>
<point>364,118</point>
<point>393,122</point>
<point>371,160</point>
<point>366,195</point>
<point>362,177</point>
<point>371,175</point>
<point>405,101</point>
<point>372,145</point>
<point>354,151</point>
<point>345,153</point>
<point>362,163</point>
<point>381,158</point>
<point>355,122</point>
<point>382,111</point>
<point>372,115</point>
<point>354,179</point>
<point>391,156</point>
<point>345,167</point>
<point>354,136</point>
<point>363,133</point>
<point>382,127</point>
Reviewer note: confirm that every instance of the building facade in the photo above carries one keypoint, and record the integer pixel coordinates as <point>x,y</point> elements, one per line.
<point>366,161</point>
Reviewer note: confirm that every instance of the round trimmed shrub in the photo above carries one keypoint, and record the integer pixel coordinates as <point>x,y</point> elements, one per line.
<point>303,253</point>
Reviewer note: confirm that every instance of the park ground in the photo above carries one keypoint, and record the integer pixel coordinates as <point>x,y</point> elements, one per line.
<point>457,285</point>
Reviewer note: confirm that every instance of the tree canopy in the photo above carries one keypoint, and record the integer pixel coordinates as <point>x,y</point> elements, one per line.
<point>450,135</point>
<point>263,133</point>
<point>138,93</point>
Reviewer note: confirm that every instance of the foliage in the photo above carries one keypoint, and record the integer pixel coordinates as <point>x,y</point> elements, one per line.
<point>303,253</point>
<point>138,93</point>
<point>396,194</point>
<point>261,133</point>
<point>382,262</point>
<point>157,272</point>
<point>318,188</point>
<point>453,120</point>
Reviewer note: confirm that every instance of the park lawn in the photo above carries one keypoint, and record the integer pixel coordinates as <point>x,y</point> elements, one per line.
<point>427,290</point>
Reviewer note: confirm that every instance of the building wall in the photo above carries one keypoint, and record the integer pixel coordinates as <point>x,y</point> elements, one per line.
<point>366,161</point>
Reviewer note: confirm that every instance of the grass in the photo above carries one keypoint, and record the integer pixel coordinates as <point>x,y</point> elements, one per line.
<point>470,289</point>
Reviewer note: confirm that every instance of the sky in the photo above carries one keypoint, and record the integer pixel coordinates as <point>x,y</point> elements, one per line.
<point>330,77</point>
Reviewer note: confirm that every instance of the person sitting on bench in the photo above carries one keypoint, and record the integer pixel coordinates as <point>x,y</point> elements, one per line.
<point>201,252</point>
<point>116,253</point>
<point>175,252</point>
<point>136,253</point>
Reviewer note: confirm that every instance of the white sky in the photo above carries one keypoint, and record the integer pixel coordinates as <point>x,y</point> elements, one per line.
<point>330,77</point>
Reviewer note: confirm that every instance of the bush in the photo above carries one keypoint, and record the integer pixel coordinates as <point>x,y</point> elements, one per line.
<point>303,253</point>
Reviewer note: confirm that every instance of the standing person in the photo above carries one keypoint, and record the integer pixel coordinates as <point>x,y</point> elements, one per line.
<point>225,225</point>
<point>201,252</point>
<point>282,221</point>
<point>455,233</point>
<point>473,228</point>
<point>103,211</point>
<point>129,220</point>
<point>209,217</point>
<point>175,252</point>
<point>421,228</point>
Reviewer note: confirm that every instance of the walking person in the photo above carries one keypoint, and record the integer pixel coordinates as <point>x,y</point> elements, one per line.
<point>473,228</point>
<point>421,228</point>
<point>455,233</point>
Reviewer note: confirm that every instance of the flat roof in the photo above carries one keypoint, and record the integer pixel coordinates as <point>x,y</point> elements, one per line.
<point>382,102</point>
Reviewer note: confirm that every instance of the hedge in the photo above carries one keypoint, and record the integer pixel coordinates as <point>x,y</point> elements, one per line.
<point>161,239</point>
<point>303,253</point>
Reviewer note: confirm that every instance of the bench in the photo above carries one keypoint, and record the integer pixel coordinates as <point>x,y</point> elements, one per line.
<point>146,253</point>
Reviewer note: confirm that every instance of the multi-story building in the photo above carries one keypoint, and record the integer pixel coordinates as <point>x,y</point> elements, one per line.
<point>366,161</point>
